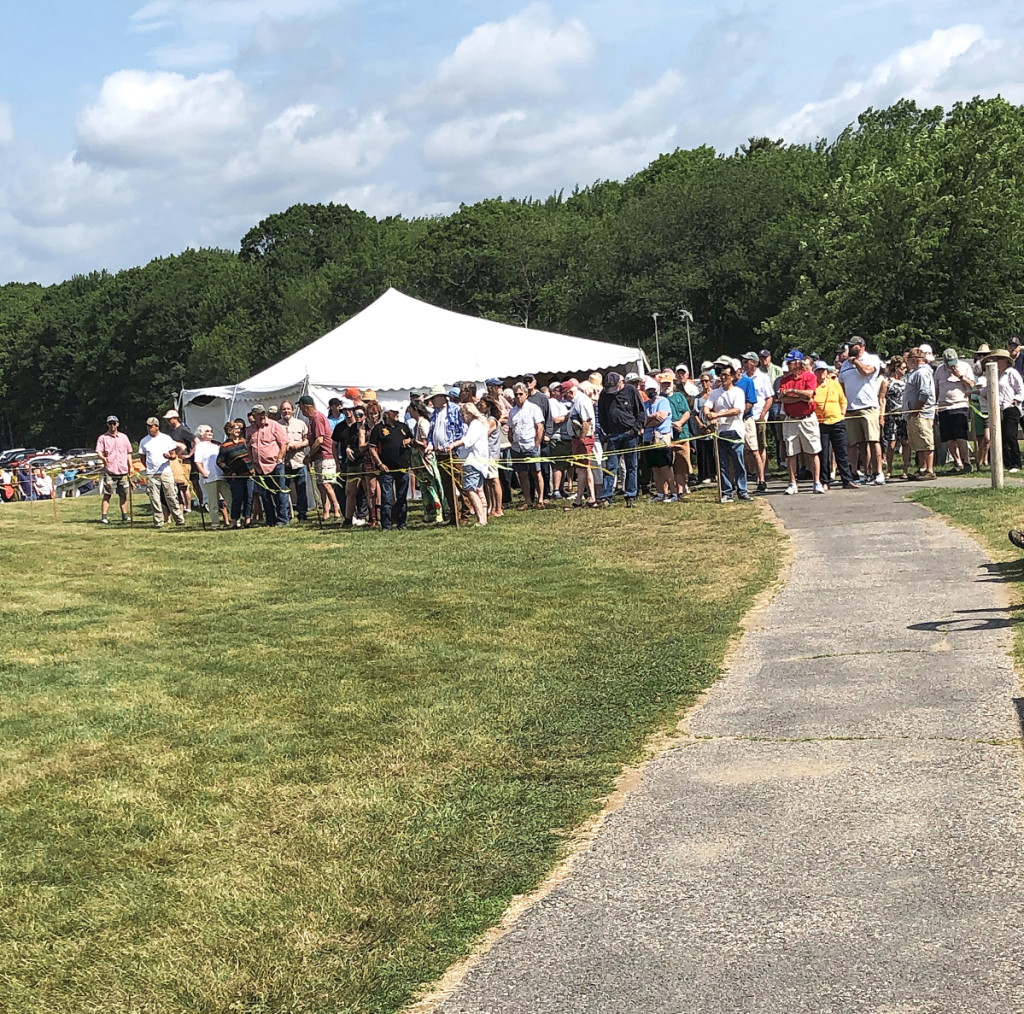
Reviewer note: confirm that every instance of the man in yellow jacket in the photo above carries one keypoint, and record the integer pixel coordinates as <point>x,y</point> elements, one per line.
<point>830,408</point>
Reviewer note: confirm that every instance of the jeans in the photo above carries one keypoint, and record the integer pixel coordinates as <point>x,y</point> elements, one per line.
<point>833,441</point>
<point>730,457</point>
<point>394,498</point>
<point>298,476</point>
<point>241,496</point>
<point>277,508</point>
<point>1011,449</point>
<point>614,446</point>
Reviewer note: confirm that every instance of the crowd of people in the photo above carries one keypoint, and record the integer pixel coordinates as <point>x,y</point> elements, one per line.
<point>469,454</point>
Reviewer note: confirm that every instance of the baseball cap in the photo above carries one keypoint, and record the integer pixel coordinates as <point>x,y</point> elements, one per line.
<point>529,378</point>
<point>763,353</point>
<point>453,392</point>
<point>347,403</point>
<point>113,418</point>
<point>950,357</point>
<point>650,384</point>
<point>706,365</point>
<point>794,355</point>
<point>273,410</point>
<point>1015,340</point>
<point>258,410</point>
<point>856,340</point>
<point>632,376</point>
<point>822,365</point>
<point>307,399</point>
<point>612,379</point>
<point>353,392</point>
<point>683,367</point>
<point>749,357</point>
<point>152,421</point>
<point>570,385</point>
<point>926,350</point>
<point>722,361</point>
<point>555,384</point>
<point>171,413</point>
<point>493,382</point>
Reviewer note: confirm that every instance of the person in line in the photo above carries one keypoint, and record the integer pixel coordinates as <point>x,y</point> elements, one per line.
<point>725,411</point>
<point>361,476</point>
<point>295,470</point>
<point>216,492</point>
<point>919,406</point>
<point>473,444</point>
<point>861,375</point>
<point>800,431</point>
<point>676,394</point>
<point>320,436</point>
<point>541,478</point>
<point>582,419</point>
<point>954,381</point>
<point>621,418</point>
<point>526,433</point>
<point>1011,397</point>
<point>158,450</point>
<point>181,466</point>
<point>268,446</point>
<point>115,451</point>
<point>492,482</point>
<point>447,427</point>
<point>391,443</point>
<point>658,438</point>
<point>755,433</point>
<point>235,464</point>
<point>894,422</point>
<point>830,408</point>
<point>560,445</point>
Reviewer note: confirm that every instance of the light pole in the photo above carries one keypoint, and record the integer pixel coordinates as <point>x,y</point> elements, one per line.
<point>657,341</point>
<point>687,316</point>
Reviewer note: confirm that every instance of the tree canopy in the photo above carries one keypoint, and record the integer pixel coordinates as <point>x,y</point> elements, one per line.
<point>907,227</point>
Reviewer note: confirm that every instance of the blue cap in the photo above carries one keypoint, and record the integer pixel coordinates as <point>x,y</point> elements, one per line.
<point>493,382</point>
<point>794,355</point>
<point>453,392</point>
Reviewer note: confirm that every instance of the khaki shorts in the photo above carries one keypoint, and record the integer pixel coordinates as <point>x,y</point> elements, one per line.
<point>755,434</point>
<point>921,433</point>
<point>324,470</point>
<point>110,484</point>
<point>862,427</point>
<point>801,436</point>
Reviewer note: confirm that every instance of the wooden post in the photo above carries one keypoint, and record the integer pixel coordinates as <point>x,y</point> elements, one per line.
<point>718,466</point>
<point>995,419</point>
<point>454,497</point>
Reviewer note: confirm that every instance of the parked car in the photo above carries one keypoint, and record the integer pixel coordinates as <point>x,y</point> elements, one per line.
<point>78,452</point>
<point>13,454</point>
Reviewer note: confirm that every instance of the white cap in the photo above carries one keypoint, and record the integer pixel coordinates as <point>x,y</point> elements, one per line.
<point>682,366</point>
<point>347,403</point>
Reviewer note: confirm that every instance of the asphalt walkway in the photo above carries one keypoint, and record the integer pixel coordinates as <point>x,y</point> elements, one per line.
<point>842,831</point>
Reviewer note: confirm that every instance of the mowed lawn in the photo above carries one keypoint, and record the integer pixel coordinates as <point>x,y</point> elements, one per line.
<point>301,770</point>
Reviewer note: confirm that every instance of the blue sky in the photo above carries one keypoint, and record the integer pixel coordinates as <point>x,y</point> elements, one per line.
<point>131,129</point>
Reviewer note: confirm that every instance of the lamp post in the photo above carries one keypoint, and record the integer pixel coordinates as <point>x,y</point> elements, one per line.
<point>688,317</point>
<point>657,341</point>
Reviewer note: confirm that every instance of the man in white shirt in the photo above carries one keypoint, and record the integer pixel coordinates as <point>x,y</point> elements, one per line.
<point>954,380</point>
<point>756,424</point>
<point>295,470</point>
<point>158,449</point>
<point>861,375</point>
<point>727,405</point>
<point>560,446</point>
<point>526,433</point>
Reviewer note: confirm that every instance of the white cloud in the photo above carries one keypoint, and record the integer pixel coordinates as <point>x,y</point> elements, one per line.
<point>290,147</point>
<point>519,148</point>
<point>525,54</point>
<point>156,118</point>
<point>921,71</point>
<point>199,54</point>
<point>6,124</point>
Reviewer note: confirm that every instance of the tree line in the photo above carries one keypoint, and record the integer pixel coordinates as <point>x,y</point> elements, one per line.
<point>906,227</point>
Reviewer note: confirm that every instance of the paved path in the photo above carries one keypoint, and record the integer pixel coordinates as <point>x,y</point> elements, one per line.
<point>843,833</point>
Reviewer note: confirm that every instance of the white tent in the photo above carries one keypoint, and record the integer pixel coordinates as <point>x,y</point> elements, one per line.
<point>399,343</point>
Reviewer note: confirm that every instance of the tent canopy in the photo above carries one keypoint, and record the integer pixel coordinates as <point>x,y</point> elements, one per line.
<point>399,343</point>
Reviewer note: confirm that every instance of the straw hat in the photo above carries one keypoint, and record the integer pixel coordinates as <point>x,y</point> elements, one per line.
<point>999,354</point>
<point>982,350</point>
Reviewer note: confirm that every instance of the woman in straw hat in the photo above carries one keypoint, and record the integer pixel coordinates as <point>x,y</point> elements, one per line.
<point>1011,397</point>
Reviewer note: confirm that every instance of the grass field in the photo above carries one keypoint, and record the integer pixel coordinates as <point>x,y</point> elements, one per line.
<point>988,514</point>
<point>301,770</point>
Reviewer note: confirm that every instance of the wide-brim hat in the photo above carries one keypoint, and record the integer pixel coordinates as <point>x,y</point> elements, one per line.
<point>437,391</point>
<point>983,349</point>
<point>998,354</point>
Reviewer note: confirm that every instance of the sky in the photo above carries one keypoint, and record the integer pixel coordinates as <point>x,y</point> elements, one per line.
<point>131,130</point>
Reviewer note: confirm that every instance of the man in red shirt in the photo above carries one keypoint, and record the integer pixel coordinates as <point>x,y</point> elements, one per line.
<point>321,456</point>
<point>800,424</point>
<point>268,445</point>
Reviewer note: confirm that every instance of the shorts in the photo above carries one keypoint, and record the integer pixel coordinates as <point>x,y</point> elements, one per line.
<point>519,459</point>
<point>559,451</point>
<point>862,426</point>
<point>980,424</point>
<point>801,436</point>
<point>755,434</point>
<point>472,478</point>
<point>110,484</point>
<point>324,470</point>
<point>921,433</point>
<point>953,424</point>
